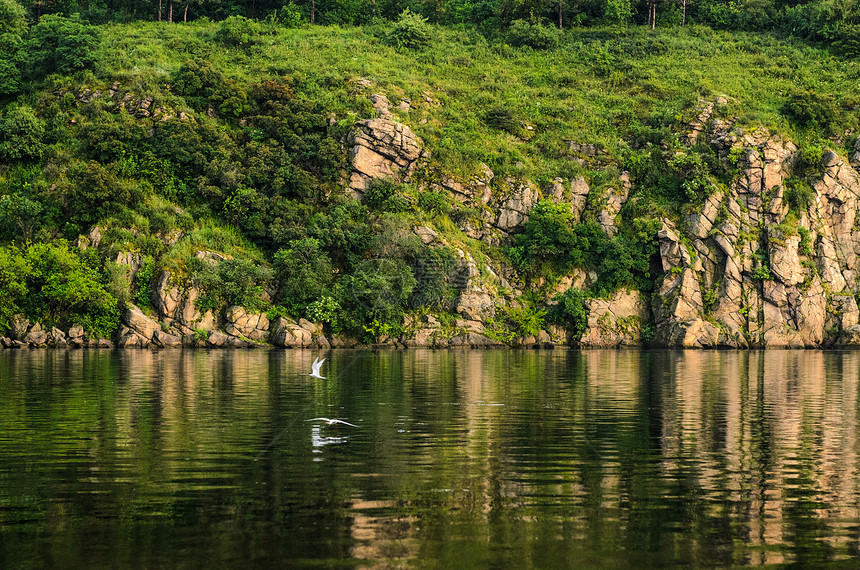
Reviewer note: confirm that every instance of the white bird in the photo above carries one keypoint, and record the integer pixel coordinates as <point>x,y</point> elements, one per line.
<point>330,421</point>
<point>315,368</point>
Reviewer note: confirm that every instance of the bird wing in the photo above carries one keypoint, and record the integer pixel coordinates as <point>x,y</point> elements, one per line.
<point>343,422</point>
<point>317,419</point>
<point>317,365</point>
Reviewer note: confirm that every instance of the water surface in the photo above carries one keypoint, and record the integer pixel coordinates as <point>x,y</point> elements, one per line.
<point>461,458</point>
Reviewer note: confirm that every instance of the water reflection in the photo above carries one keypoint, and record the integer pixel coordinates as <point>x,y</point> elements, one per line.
<point>515,458</point>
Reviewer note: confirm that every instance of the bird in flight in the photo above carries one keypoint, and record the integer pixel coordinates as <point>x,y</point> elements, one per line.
<point>315,368</point>
<point>330,421</point>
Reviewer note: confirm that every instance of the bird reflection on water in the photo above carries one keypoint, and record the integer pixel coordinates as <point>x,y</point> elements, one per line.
<point>318,441</point>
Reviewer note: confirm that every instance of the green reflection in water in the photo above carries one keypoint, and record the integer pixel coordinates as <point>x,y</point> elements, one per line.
<point>461,459</point>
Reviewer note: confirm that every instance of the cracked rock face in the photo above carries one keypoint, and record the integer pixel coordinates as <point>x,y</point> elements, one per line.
<point>381,149</point>
<point>745,273</point>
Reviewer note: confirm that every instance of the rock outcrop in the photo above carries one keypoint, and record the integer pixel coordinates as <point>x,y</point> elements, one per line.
<point>381,149</point>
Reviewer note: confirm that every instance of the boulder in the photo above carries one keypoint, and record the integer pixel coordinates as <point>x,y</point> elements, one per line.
<point>134,319</point>
<point>18,327</point>
<point>476,305</point>
<point>380,149</point>
<point>76,331</point>
<point>129,338</point>
<point>166,340</point>
<point>616,321</point>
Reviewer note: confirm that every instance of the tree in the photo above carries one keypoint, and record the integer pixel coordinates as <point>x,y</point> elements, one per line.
<point>14,271</point>
<point>60,44</point>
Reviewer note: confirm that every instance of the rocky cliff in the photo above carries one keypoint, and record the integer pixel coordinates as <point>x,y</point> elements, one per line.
<point>768,260</point>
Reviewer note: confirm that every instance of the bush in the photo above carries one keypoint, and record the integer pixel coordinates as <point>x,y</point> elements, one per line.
<point>13,18</point>
<point>65,289</point>
<point>304,274</point>
<point>433,202</point>
<point>378,290</point>
<point>811,110</point>
<point>13,25</point>
<point>534,35</point>
<point>570,311</point>
<point>238,31</point>
<point>230,282</point>
<point>21,133</point>
<point>93,192</point>
<point>61,45</point>
<point>204,86</point>
<point>386,196</point>
<point>410,31</point>
<point>14,272</point>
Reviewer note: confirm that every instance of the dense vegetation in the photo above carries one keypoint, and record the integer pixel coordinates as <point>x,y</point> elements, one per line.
<point>229,137</point>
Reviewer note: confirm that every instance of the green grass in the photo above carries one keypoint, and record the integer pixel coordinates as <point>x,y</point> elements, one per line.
<point>589,90</point>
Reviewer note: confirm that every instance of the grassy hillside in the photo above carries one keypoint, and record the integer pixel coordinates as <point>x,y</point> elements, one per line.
<point>230,137</point>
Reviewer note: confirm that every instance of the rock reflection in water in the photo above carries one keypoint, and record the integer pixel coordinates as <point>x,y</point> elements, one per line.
<point>464,458</point>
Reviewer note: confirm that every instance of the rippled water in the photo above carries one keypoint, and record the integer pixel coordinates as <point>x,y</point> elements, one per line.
<point>462,459</point>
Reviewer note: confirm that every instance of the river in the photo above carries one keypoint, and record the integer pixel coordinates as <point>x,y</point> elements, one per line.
<point>458,458</point>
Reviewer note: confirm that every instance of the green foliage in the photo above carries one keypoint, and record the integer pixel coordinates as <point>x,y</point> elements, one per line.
<point>59,44</point>
<point>143,282</point>
<point>618,12</point>
<point>206,87</point>
<point>436,272</point>
<point>19,216</point>
<point>93,191</point>
<point>799,195</point>
<point>21,134</point>
<point>377,290</point>
<point>434,203</point>
<point>14,273</point>
<point>570,311</point>
<point>238,31</point>
<point>533,34</point>
<point>809,163</point>
<point>304,273</point>
<point>13,26</point>
<point>552,242</point>
<point>410,31</point>
<point>326,309</point>
<point>64,289</point>
<point>12,18</point>
<point>526,320</point>
<point>386,196</point>
<point>229,282</point>
<point>812,110</point>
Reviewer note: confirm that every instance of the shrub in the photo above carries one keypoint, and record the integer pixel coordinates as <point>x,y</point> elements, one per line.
<point>12,18</point>
<point>433,202</point>
<point>14,271</point>
<point>230,282</point>
<point>324,310</point>
<point>64,289</point>
<point>143,282</point>
<point>377,290</point>
<point>13,25</point>
<point>570,311</point>
<point>534,35</point>
<point>503,119</point>
<point>204,86</point>
<point>386,196</point>
<point>435,271</point>
<point>94,192</point>
<point>238,31</point>
<point>21,133</point>
<point>61,45</point>
<point>304,273</point>
<point>19,216</point>
<point>799,195</point>
<point>410,31</point>
<point>810,110</point>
